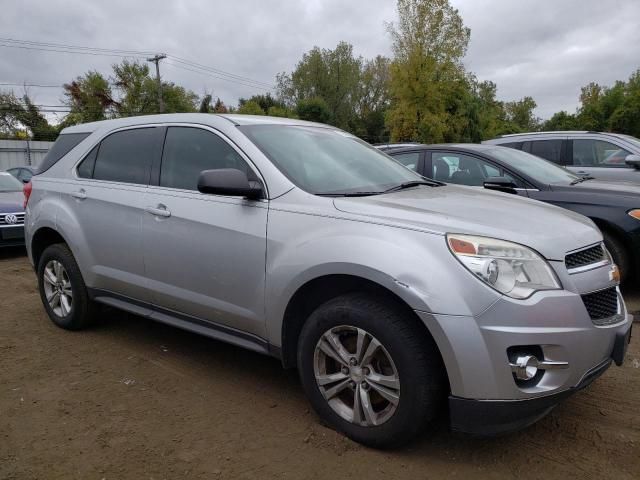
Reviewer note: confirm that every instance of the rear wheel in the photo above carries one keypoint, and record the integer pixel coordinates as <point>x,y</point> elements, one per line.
<point>62,289</point>
<point>370,370</point>
<point>619,254</point>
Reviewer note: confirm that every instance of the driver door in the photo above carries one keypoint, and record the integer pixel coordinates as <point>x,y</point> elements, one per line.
<point>204,254</point>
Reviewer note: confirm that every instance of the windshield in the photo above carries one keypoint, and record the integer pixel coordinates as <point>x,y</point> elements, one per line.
<point>536,168</point>
<point>328,162</point>
<point>632,140</point>
<point>9,183</point>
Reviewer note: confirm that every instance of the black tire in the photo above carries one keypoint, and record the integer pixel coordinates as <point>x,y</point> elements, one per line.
<point>83,310</point>
<point>620,255</point>
<point>412,350</point>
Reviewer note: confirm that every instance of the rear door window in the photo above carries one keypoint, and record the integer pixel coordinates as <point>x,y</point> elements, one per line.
<point>126,156</point>
<point>598,153</point>
<point>548,149</point>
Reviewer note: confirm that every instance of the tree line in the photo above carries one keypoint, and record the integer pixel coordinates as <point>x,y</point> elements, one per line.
<point>422,93</point>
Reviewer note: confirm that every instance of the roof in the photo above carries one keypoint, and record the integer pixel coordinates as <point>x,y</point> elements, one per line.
<point>202,118</point>
<point>470,147</point>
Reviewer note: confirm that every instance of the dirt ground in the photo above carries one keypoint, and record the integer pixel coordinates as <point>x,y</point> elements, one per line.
<point>135,399</point>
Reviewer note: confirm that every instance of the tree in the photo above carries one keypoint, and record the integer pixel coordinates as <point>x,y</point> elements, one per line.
<point>521,116</point>
<point>314,110</point>
<point>330,75</point>
<point>561,121</point>
<point>427,74</point>
<point>90,98</point>
<point>20,116</point>
<point>250,107</point>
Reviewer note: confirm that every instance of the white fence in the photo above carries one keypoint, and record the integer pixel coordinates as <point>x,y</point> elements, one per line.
<point>15,153</point>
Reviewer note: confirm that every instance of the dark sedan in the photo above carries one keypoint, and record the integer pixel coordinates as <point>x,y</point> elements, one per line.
<point>614,207</point>
<point>11,211</point>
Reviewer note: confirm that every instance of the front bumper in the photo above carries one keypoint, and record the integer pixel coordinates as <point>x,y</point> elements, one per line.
<point>12,236</point>
<point>494,417</point>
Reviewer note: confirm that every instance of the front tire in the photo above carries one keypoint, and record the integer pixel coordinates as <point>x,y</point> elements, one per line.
<point>62,289</point>
<point>619,254</point>
<point>370,370</point>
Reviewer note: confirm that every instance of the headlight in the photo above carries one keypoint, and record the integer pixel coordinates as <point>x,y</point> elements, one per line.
<point>635,213</point>
<point>512,269</point>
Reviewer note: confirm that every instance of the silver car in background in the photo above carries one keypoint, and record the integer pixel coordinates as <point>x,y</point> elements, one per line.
<point>387,291</point>
<point>601,155</point>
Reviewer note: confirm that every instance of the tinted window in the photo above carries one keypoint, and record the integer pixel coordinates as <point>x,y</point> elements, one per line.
<point>85,169</point>
<point>326,161</point>
<point>63,145</point>
<point>516,145</point>
<point>189,151</point>
<point>536,168</point>
<point>409,160</point>
<point>25,175</point>
<point>548,149</point>
<point>126,156</point>
<point>598,153</point>
<point>461,169</point>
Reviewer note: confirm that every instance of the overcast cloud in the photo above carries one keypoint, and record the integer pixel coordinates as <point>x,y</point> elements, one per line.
<point>547,49</point>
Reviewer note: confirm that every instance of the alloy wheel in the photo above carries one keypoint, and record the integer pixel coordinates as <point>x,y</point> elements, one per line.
<point>356,376</point>
<point>57,288</point>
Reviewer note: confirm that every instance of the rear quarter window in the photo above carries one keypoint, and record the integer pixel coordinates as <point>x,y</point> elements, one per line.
<point>63,145</point>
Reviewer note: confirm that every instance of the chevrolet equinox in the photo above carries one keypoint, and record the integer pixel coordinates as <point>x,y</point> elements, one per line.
<point>389,292</point>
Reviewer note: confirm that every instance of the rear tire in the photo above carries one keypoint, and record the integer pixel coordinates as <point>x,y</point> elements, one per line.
<point>619,254</point>
<point>62,289</point>
<point>413,365</point>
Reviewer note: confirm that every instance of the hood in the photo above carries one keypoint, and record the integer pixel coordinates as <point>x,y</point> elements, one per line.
<point>602,187</point>
<point>11,202</point>
<point>550,230</point>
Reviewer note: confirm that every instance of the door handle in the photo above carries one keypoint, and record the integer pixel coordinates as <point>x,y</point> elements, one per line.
<point>159,211</point>
<point>80,194</point>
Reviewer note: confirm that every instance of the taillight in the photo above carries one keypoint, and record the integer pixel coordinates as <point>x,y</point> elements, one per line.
<point>27,192</point>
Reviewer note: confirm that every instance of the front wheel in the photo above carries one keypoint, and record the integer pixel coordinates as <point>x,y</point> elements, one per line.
<point>370,370</point>
<point>619,254</point>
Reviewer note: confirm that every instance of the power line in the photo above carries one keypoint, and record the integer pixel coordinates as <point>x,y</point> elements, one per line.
<point>201,72</point>
<point>95,51</point>
<point>38,85</point>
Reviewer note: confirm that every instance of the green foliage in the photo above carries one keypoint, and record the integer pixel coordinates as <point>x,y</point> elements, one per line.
<point>520,115</point>
<point>561,121</point>
<point>18,117</point>
<point>250,107</point>
<point>314,110</point>
<point>90,98</point>
<point>428,86</point>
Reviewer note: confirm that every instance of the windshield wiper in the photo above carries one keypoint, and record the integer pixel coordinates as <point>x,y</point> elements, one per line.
<point>348,194</point>
<point>413,183</point>
<point>582,179</point>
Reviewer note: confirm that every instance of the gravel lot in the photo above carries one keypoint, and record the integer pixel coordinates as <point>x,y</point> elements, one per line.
<point>135,399</point>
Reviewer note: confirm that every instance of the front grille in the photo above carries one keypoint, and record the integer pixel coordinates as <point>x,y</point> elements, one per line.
<point>6,219</point>
<point>585,257</point>
<point>602,306</point>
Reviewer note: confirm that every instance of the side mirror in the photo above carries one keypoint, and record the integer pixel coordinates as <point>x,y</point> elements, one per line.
<point>633,161</point>
<point>228,181</point>
<point>501,184</point>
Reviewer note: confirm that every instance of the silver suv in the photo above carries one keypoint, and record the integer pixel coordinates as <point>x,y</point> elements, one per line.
<point>387,291</point>
<point>605,156</point>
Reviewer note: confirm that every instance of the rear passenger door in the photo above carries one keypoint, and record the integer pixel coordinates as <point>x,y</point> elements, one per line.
<point>204,254</point>
<point>108,200</point>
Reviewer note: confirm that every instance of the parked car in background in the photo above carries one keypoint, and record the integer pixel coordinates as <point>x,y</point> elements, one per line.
<point>23,174</point>
<point>613,206</point>
<point>11,211</point>
<point>605,156</point>
<point>387,291</point>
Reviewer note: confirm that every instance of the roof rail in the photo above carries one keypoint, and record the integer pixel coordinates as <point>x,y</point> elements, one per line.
<point>545,133</point>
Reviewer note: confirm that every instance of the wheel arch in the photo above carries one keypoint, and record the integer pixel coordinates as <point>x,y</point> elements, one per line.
<point>319,290</point>
<point>43,238</point>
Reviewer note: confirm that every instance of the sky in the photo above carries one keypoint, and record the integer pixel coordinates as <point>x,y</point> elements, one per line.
<point>546,49</point>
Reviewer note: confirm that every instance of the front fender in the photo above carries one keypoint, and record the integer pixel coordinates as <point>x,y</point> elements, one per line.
<point>414,265</point>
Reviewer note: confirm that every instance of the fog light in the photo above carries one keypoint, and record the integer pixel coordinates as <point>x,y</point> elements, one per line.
<point>525,368</point>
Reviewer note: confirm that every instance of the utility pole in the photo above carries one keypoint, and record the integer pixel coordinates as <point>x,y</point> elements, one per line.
<point>156,60</point>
